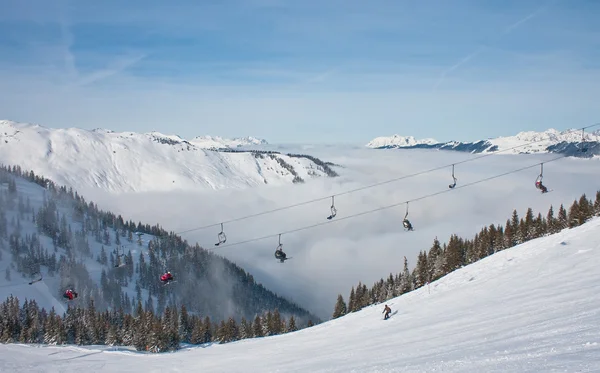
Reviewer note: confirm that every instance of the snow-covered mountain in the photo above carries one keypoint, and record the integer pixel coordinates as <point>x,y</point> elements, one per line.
<point>216,142</point>
<point>129,161</point>
<point>398,141</point>
<point>567,142</point>
<point>530,308</point>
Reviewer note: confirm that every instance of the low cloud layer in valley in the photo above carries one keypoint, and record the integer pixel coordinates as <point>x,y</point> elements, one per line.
<point>331,258</point>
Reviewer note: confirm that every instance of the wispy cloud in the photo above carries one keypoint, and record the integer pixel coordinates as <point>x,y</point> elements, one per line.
<point>338,70</point>
<point>480,49</point>
<point>116,66</point>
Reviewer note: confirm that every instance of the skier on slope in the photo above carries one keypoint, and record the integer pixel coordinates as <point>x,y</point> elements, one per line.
<point>387,310</point>
<point>70,294</point>
<point>167,277</point>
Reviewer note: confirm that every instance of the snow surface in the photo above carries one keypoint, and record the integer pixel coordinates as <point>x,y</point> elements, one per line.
<point>134,162</point>
<point>544,140</point>
<point>531,308</point>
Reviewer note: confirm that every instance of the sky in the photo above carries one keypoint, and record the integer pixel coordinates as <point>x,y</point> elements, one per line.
<point>297,72</point>
<point>329,259</point>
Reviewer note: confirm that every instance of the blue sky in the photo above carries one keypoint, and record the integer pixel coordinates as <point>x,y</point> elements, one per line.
<point>302,71</point>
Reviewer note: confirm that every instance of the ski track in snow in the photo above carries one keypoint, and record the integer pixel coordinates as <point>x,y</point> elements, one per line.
<point>531,308</point>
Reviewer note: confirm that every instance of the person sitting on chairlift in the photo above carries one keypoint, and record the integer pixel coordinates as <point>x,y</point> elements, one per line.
<point>540,186</point>
<point>406,223</point>
<point>279,254</point>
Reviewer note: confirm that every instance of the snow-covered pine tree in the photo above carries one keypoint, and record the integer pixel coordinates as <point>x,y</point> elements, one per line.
<point>257,327</point>
<point>340,307</point>
<point>291,327</point>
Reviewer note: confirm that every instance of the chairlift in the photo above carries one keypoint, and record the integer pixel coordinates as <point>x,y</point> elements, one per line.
<point>406,223</point>
<point>333,209</point>
<point>451,186</point>
<point>538,180</point>
<point>221,236</point>
<point>583,147</point>
<point>279,254</point>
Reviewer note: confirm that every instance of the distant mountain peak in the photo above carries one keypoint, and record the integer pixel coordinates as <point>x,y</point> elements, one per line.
<point>398,141</point>
<point>220,142</point>
<point>566,142</point>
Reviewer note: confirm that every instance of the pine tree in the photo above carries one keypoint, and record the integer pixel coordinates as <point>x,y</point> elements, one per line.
<point>291,325</point>
<point>563,221</point>
<point>551,221</point>
<point>435,261</point>
<point>574,218</point>
<point>340,307</point>
<point>245,329</point>
<point>407,283</point>
<point>197,336</point>
<point>257,327</point>
<point>351,306</point>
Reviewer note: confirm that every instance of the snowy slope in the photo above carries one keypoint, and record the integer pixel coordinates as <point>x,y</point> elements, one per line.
<point>531,308</point>
<point>47,292</point>
<point>548,141</point>
<point>133,162</point>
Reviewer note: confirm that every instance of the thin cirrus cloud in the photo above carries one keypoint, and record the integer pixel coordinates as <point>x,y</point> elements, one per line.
<point>343,71</point>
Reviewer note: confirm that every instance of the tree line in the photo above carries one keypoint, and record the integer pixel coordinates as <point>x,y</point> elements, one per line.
<point>442,259</point>
<point>144,330</point>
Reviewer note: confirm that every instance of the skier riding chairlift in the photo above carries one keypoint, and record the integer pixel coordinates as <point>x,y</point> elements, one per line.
<point>70,294</point>
<point>279,254</point>
<point>167,277</point>
<point>540,186</point>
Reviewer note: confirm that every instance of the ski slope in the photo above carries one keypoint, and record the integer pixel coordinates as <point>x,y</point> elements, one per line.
<point>531,308</point>
<point>135,162</point>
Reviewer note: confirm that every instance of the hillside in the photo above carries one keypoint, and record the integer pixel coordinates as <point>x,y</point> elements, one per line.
<point>53,231</point>
<point>135,162</point>
<point>550,141</point>
<point>530,308</point>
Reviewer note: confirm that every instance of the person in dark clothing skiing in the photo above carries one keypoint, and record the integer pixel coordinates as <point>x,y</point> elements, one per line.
<point>387,310</point>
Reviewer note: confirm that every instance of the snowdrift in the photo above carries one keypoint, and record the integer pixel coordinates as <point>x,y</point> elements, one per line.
<point>531,308</point>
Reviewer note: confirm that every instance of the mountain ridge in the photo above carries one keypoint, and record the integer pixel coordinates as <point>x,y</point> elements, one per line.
<point>568,142</point>
<point>153,161</point>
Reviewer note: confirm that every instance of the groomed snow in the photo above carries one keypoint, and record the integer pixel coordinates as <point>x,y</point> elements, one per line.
<point>531,308</point>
